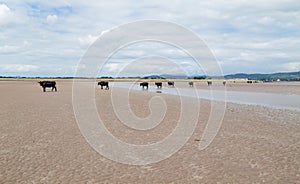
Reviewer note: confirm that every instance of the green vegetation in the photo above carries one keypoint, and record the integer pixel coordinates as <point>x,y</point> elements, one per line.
<point>200,77</point>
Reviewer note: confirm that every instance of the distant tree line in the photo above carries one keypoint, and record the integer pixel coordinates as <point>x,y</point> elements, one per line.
<point>199,77</point>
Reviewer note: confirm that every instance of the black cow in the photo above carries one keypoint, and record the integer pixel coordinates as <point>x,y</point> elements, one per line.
<point>171,83</point>
<point>144,84</point>
<point>224,83</point>
<point>158,84</point>
<point>191,84</point>
<point>209,83</point>
<point>48,84</point>
<point>103,83</point>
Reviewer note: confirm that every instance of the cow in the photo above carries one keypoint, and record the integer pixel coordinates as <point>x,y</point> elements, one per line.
<point>171,83</point>
<point>224,83</point>
<point>158,84</point>
<point>191,84</point>
<point>103,83</point>
<point>48,84</point>
<point>209,83</point>
<point>144,84</point>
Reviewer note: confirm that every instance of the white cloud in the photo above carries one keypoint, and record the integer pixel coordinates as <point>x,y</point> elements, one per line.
<point>8,49</point>
<point>6,15</point>
<point>13,49</point>
<point>142,67</point>
<point>243,34</point>
<point>51,19</point>
<point>67,3</point>
<point>292,66</point>
<point>87,40</point>
<point>14,68</point>
<point>266,20</point>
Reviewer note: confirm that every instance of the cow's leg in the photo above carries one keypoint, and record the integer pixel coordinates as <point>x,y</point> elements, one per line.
<point>44,89</point>
<point>101,87</point>
<point>55,88</point>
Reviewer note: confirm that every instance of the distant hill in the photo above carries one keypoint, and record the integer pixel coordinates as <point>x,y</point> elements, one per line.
<point>153,77</point>
<point>170,76</point>
<point>283,76</point>
<point>165,76</point>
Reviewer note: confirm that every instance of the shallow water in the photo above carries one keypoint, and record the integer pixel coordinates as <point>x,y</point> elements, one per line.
<point>280,101</point>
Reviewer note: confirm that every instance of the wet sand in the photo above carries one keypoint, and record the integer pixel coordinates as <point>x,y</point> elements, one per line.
<point>268,87</point>
<point>41,142</point>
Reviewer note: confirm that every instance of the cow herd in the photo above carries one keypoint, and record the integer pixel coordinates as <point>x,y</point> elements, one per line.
<point>172,84</point>
<point>157,84</point>
<point>105,84</point>
<point>52,85</point>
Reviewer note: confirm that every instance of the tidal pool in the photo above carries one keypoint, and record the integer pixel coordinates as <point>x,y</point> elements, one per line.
<point>280,101</point>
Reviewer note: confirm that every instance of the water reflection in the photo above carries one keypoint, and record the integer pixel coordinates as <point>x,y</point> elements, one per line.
<point>281,101</point>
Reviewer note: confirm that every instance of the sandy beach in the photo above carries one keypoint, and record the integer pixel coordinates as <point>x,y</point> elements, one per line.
<point>41,143</point>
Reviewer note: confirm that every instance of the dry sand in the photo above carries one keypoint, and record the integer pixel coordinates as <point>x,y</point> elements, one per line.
<point>41,142</point>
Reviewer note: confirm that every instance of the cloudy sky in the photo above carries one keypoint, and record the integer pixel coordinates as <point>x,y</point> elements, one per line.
<point>48,38</point>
